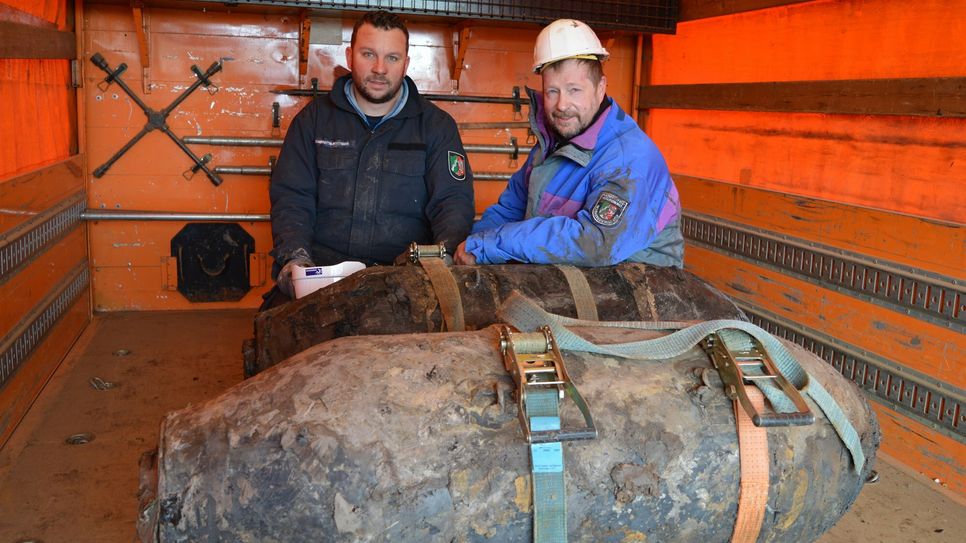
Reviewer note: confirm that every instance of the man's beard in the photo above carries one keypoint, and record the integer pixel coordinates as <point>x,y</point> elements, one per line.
<point>360,88</point>
<point>570,132</point>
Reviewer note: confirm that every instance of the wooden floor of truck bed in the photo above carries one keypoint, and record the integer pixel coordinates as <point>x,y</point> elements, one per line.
<point>54,492</point>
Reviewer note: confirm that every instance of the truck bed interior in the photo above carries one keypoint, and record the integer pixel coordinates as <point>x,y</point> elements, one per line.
<point>817,147</point>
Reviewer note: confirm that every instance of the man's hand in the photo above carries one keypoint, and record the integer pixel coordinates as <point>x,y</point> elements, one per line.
<point>463,258</point>
<point>284,279</point>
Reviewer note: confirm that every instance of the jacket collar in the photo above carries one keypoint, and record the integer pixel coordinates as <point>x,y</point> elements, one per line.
<point>412,107</point>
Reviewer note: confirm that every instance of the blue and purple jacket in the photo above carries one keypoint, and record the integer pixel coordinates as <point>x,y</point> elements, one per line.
<point>601,198</point>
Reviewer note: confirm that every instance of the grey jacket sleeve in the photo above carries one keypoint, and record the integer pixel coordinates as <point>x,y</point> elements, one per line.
<point>449,183</point>
<point>293,190</point>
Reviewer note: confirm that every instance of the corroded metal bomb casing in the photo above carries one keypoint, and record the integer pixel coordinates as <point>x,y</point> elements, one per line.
<point>416,438</point>
<point>401,299</point>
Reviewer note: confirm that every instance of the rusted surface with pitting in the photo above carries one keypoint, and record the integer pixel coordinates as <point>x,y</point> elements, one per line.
<point>400,299</point>
<point>415,437</point>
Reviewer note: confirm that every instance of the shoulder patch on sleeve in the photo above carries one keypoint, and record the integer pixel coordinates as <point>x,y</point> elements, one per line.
<point>457,165</point>
<point>609,209</point>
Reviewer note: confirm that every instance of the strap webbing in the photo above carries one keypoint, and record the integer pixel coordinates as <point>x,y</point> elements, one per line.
<point>753,459</point>
<point>635,276</point>
<point>527,316</point>
<point>546,460</point>
<point>447,293</point>
<point>580,290</point>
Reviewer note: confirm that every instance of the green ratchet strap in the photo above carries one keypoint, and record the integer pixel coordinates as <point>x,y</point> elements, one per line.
<point>546,459</point>
<point>740,362</point>
<point>542,381</point>
<point>580,289</point>
<point>526,315</point>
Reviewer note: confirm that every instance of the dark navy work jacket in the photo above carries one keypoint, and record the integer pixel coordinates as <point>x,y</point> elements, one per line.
<point>342,191</point>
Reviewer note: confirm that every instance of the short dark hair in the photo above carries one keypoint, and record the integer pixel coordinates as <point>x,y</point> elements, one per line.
<point>380,19</point>
<point>594,69</point>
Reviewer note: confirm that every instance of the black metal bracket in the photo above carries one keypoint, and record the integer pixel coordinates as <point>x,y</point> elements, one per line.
<point>99,61</point>
<point>205,77</point>
<point>190,172</point>
<point>515,153</point>
<point>276,118</point>
<point>157,120</point>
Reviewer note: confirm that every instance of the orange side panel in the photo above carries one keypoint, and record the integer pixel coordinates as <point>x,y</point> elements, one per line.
<point>25,289</point>
<point>855,164</point>
<point>930,349</point>
<point>22,389</point>
<point>35,127</point>
<point>937,457</point>
<point>54,11</point>
<point>129,272</point>
<point>904,164</point>
<point>895,163</point>
<point>487,193</point>
<point>858,39</point>
<point>24,196</point>
<point>903,239</point>
<point>138,244</point>
<point>134,289</point>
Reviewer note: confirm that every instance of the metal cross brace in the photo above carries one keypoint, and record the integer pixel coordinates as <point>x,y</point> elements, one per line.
<point>157,119</point>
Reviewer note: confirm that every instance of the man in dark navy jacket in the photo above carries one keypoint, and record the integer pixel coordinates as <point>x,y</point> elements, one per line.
<point>369,168</point>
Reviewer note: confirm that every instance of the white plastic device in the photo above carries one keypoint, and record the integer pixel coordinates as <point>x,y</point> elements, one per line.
<point>309,280</point>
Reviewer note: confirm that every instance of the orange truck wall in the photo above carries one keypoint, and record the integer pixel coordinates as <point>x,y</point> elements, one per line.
<point>888,188</point>
<point>127,257</point>
<point>911,165</point>
<point>36,127</point>
<point>54,11</point>
<point>41,174</point>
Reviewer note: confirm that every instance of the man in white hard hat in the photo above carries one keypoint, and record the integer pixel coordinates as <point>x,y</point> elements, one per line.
<point>595,191</point>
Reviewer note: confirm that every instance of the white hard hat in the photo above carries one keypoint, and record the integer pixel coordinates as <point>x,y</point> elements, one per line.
<point>566,38</point>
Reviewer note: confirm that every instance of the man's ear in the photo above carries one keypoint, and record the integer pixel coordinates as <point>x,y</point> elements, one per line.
<point>406,67</point>
<point>348,57</point>
<point>601,88</point>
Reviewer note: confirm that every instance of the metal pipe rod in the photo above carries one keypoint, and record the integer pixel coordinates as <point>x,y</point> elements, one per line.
<point>265,170</point>
<point>236,142</point>
<point>477,99</point>
<point>277,142</point>
<point>523,101</point>
<point>508,125</point>
<point>104,215</point>
<point>491,176</point>
<point>498,149</point>
<point>243,170</point>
